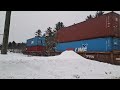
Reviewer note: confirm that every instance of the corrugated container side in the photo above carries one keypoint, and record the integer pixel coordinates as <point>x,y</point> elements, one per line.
<point>101,26</point>
<point>92,45</point>
<point>41,41</point>
<point>32,42</point>
<point>35,48</point>
<point>37,41</point>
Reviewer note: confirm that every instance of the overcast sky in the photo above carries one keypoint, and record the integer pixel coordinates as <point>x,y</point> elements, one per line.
<point>25,23</point>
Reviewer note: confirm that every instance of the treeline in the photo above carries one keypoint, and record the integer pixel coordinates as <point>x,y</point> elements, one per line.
<point>16,47</point>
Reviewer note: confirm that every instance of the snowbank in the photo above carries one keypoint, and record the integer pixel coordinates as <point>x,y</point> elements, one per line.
<point>68,65</point>
<point>69,54</point>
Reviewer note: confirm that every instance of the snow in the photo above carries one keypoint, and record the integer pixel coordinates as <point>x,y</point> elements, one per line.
<point>68,65</point>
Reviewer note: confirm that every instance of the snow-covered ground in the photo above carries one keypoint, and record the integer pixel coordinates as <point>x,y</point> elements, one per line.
<point>68,65</point>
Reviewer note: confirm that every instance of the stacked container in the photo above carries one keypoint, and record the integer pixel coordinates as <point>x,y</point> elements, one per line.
<point>100,34</point>
<point>36,44</point>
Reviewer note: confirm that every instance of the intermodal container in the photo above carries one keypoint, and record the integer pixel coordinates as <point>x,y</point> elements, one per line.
<point>107,25</point>
<point>107,44</point>
<point>36,41</point>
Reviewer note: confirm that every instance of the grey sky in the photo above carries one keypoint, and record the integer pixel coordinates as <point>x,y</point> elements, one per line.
<point>25,23</point>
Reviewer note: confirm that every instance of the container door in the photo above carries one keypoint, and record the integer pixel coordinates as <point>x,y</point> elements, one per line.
<point>116,26</point>
<point>119,27</point>
<point>119,43</point>
<point>116,44</point>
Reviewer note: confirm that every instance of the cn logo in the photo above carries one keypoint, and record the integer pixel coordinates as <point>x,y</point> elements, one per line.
<point>82,49</point>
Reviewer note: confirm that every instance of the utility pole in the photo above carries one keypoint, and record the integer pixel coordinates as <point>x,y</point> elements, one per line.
<point>6,32</point>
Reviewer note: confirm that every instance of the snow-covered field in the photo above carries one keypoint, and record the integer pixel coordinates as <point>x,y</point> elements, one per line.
<point>68,65</point>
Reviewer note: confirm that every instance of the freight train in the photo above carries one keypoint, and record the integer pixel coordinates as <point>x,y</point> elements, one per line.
<point>97,39</point>
<point>36,46</point>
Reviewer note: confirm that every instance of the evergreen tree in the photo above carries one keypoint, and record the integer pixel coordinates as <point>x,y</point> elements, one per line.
<point>50,40</point>
<point>18,46</point>
<point>13,47</point>
<point>89,17</point>
<point>50,37</point>
<point>99,13</point>
<point>49,32</point>
<point>59,25</point>
<point>38,33</point>
<point>14,44</point>
<point>22,46</point>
